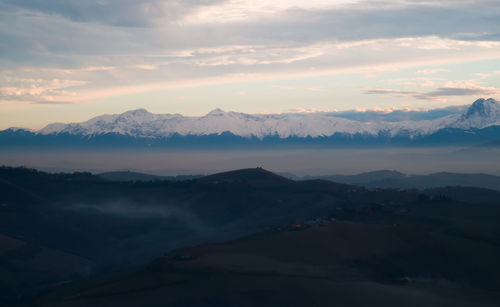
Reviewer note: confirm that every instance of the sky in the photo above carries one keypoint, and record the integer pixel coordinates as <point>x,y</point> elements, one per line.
<point>70,60</point>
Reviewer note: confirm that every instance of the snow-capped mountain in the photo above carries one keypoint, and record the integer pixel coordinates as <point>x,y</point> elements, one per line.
<point>482,113</point>
<point>478,124</point>
<point>140,123</point>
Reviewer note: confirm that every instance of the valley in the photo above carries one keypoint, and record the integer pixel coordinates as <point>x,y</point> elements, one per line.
<point>92,241</point>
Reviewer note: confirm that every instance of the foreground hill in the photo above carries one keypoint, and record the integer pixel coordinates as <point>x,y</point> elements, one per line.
<point>27,267</point>
<point>114,224</point>
<point>439,254</point>
<point>96,225</point>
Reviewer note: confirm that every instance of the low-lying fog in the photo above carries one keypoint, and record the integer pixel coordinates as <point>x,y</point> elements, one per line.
<point>145,210</point>
<point>296,161</point>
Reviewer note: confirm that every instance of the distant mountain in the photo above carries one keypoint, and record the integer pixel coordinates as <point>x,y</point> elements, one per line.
<point>389,179</point>
<point>363,178</point>
<point>480,123</point>
<point>257,177</point>
<point>135,176</point>
<point>394,179</point>
<point>129,176</point>
<point>467,194</point>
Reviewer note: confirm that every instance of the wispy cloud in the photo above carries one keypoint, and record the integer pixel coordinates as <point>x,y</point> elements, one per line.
<point>487,75</point>
<point>307,88</point>
<point>302,111</point>
<point>389,91</point>
<point>415,82</point>
<point>124,47</point>
<point>53,102</point>
<point>430,71</point>
<point>146,67</point>
<point>441,93</point>
<point>463,91</point>
<point>40,91</point>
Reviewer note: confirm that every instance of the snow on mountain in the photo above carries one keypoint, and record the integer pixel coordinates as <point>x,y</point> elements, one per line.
<point>141,123</point>
<point>18,129</point>
<point>481,114</point>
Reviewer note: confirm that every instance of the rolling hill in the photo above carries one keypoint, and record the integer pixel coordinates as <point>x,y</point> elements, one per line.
<point>64,227</point>
<point>367,260</point>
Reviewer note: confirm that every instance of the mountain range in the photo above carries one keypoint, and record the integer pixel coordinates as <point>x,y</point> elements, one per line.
<point>386,179</point>
<point>478,124</point>
<point>396,180</point>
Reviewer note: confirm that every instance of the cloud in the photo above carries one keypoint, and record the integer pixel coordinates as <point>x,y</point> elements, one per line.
<point>118,46</point>
<point>247,10</point>
<point>487,75</point>
<point>391,114</point>
<point>314,88</point>
<point>390,91</point>
<point>39,91</point>
<point>463,91</point>
<point>98,27</point>
<point>53,102</point>
<point>97,68</point>
<point>415,82</point>
<point>307,111</point>
<point>430,71</point>
<point>357,21</point>
<point>146,67</point>
<point>123,13</point>
<point>307,88</point>
<point>366,59</point>
<point>464,88</point>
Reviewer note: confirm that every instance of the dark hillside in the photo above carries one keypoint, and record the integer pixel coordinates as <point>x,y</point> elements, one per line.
<point>404,261</point>
<point>115,224</point>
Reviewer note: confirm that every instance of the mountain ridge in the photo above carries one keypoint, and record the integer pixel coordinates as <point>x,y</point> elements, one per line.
<point>141,123</point>
<point>480,123</point>
<point>373,179</point>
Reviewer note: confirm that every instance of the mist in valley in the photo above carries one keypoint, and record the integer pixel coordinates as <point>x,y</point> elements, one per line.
<point>147,211</point>
<point>301,162</point>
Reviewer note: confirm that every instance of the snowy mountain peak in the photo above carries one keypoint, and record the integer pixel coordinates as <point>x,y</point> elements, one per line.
<point>18,129</point>
<point>140,123</point>
<point>216,112</point>
<point>138,112</point>
<point>482,107</point>
<point>482,113</point>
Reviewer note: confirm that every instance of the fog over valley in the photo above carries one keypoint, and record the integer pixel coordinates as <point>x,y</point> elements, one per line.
<point>320,161</point>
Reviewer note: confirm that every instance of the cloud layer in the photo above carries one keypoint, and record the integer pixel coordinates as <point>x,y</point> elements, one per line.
<point>69,51</point>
